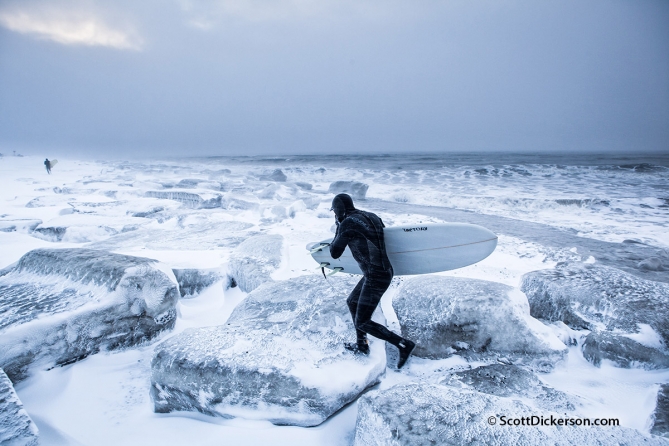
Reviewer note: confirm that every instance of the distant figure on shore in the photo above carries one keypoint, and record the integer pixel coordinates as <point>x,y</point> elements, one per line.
<point>47,164</point>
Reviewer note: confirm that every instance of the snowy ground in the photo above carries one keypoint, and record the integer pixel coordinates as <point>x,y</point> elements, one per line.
<point>104,399</point>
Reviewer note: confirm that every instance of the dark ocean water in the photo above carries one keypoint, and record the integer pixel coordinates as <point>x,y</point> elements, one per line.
<point>639,163</point>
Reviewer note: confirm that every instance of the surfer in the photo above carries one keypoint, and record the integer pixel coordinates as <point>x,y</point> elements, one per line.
<point>47,164</point>
<point>362,232</point>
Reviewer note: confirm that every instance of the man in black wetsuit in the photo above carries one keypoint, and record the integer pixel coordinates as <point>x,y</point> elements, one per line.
<point>47,164</point>
<point>362,232</point>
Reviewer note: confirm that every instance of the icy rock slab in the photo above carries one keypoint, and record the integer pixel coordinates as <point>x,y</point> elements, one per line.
<point>192,183</point>
<point>622,351</point>
<point>148,214</point>
<point>234,204</point>
<point>660,417</point>
<point>254,260</point>
<point>356,190</point>
<point>60,305</point>
<point>19,225</point>
<point>16,427</point>
<point>476,318</point>
<point>279,358</point>
<point>511,381</point>
<point>418,414</point>
<point>50,234</point>
<point>193,281</point>
<point>188,199</point>
<point>601,298</point>
<point>275,175</point>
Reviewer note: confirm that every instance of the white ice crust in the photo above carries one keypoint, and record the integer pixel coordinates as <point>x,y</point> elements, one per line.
<point>254,260</point>
<point>59,306</point>
<point>444,315</point>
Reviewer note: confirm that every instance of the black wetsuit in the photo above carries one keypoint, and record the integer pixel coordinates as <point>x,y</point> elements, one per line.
<point>362,232</point>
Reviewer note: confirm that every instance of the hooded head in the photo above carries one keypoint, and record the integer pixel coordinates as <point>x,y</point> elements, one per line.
<point>342,205</point>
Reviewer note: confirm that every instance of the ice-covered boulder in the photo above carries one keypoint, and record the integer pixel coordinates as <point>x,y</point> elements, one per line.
<point>188,199</point>
<point>50,233</point>
<point>622,351</point>
<point>660,417</point>
<point>600,298</point>
<point>16,427</point>
<point>60,305</point>
<point>356,190</point>
<point>508,380</point>
<point>275,175</point>
<point>297,206</point>
<point>234,204</point>
<point>193,281</point>
<point>419,414</point>
<point>254,260</point>
<point>445,315</point>
<point>280,357</point>
<point>19,225</point>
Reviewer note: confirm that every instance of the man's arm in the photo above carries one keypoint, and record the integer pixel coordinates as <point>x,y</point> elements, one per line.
<point>339,243</point>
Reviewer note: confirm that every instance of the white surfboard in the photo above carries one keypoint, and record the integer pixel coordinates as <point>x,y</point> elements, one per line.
<point>419,249</point>
<point>53,163</point>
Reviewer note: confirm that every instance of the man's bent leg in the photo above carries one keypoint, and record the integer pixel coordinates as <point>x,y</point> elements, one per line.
<point>370,296</point>
<point>352,303</point>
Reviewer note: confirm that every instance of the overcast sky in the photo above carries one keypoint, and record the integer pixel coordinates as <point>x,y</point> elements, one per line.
<point>239,77</point>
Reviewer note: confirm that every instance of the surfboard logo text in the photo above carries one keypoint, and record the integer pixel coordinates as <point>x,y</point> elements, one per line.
<point>420,228</point>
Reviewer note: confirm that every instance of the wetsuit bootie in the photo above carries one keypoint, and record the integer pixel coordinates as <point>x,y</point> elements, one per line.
<point>406,348</point>
<point>357,347</point>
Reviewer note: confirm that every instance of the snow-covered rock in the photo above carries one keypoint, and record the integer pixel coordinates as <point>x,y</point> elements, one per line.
<point>193,281</point>
<point>254,260</point>
<point>356,190</point>
<point>16,427</point>
<point>280,357</point>
<point>604,299</point>
<point>622,351</point>
<point>660,417</point>
<point>275,175</point>
<point>298,206</point>
<point>20,225</point>
<point>418,414</point>
<point>60,305</point>
<point>50,233</point>
<point>188,199</point>
<point>445,315</point>
<point>511,381</point>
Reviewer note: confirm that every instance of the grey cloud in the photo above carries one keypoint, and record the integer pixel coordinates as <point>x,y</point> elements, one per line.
<point>303,77</point>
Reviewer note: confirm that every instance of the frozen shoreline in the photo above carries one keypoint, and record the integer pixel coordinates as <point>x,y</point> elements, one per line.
<point>104,399</point>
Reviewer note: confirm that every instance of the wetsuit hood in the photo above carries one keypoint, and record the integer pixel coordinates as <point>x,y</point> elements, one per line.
<point>342,205</point>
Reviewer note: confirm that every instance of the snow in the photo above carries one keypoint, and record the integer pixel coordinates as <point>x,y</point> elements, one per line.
<point>104,399</point>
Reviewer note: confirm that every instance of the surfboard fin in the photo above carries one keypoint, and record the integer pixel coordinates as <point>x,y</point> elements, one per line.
<point>319,247</point>
<point>335,271</point>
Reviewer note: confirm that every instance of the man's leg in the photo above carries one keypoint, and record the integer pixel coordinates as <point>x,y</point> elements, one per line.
<point>370,296</point>
<point>352,303</point>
